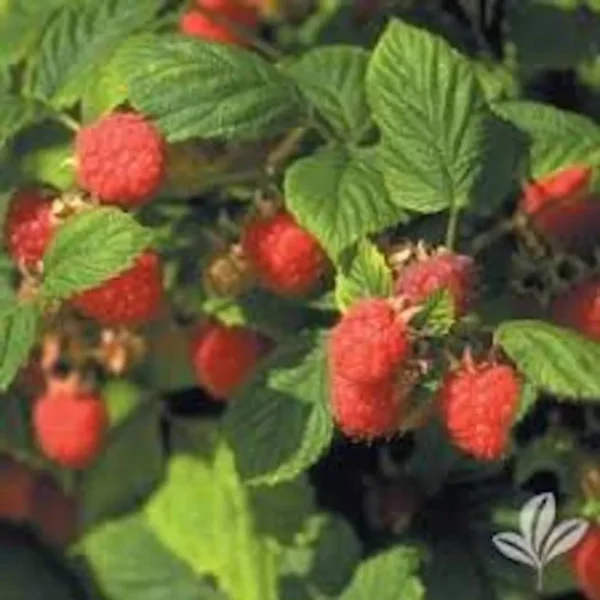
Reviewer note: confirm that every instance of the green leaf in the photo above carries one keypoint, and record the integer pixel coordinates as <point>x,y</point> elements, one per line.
<point>45,154</point>
<point>281,511</point>
<point>558,138</point>
<point>283,414</point>
<point>363,272</point>
<point>554,359</point>
<point>200,89</point>
<point>433,116</point>
<point>128,562</point>
<point>340,197</point>
<point>128,469</point>
<point>90,248</point>
<point>202,513</point>
<point>439,314</point>
<point>333,80</point>
<point>17,113</point>
<point>78,41</point>
<point>21,24</point>
<point>18,329</point>
<point>397,568</point>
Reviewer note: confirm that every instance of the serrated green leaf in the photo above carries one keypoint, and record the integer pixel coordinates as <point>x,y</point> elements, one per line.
<point>433,117</point>
<point>363,272</point>
<point>283,414</point>
<point>439,314</point>
<point>91,247</point>
<point>340,197</point>
<point>333,80</point>
<point>21,24</point>
<point>18,329</point>
<point>202,514</point>
<point>128,562</point>
<point>17,113</point>
<point>130,466</point>
<point>79,40</point>
<point>200,89</point>
<point>558,138</point>
<point>554,359</point>
<point>397,567</point>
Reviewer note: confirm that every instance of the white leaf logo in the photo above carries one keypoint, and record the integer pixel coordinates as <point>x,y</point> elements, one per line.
<point>540,541</point>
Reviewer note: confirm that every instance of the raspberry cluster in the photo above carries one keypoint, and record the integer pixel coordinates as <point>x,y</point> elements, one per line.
<point>368,350</point>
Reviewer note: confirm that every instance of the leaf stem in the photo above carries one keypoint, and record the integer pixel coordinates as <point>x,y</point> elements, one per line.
<point>286,149</point>
<point>68,121</point>
<point>452,229</point>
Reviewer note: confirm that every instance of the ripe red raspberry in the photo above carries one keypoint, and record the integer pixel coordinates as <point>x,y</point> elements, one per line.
<point>197,23</point>
<point>370,342</point>
<point>224,357</point>
<point>478,402</point>
<point>70,425</point>
<point>579,308</point>
<point>131,298</point>
<point>454,272</point>
<point>28,226</point>
<point>120,159</point>
<point>16,490</point>
<point>287,259</point>
<point>585,559</point>
<point>562,207</point>
<point>366,410</point>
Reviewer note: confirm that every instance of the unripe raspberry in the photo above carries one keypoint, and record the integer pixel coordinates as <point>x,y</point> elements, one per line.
<point>203,25</point>
<point>444,270</point>
<point>585,559</point>
<point>16,490</point>
<point>228,273</point>
<point>370,342</point>
<point>562,207</point>
<point>131,298</point>
<point>366,410</point>
<point>120,159</point>
<point>28,226</point>
<point>478,403</point>
<point>224,357</point>
<point>70,426</point>
<point>579,308</point>
<point>287,259</point>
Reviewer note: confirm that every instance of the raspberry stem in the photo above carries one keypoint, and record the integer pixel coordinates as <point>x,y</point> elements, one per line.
<point>68,121</point>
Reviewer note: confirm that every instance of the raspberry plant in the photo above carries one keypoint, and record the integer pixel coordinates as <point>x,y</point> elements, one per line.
<point>297,299</point>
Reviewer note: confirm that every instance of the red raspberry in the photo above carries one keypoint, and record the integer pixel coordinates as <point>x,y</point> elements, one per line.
<point>366,410</point>
<point>370,342</point>
<point>16,490</point>
<point>131,298</point>
<point>454,272</point>
<point>286,258</point>
<point>70,426</point>
<point>120,159</point>
<point>562,207</point>
<point>28,227</point>
<point>478,402</point>
<point>199,24</point>
<point>579,308</point>
<point>585,559</point>
<point>224,357</point>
